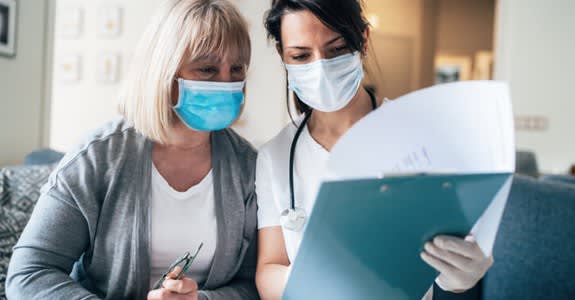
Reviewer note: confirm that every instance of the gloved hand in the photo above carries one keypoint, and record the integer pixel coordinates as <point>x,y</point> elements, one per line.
<point>460,261</point>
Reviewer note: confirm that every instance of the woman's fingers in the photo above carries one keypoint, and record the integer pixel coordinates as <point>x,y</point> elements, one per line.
<point>175,272</point>
<point>183,286</point>
<point>164,294</point>
<point>159,294</point>
<point>437,264</point>
<point>468,249</point>
<point>460,261</point>
<point>451,258</point>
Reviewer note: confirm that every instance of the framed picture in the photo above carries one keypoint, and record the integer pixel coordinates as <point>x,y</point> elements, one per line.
<point>8,27</point>
<point>450,68</point>
<point>108,67</point>
<point>109,21</point>
<point>70,22</point>
<point>68,68</point>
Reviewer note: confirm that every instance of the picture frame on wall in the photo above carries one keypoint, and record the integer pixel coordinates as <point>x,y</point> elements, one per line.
<point>110,21</point>
<point>70,22</point>
<point>69,68</point>
<point>451,68</point>
<point>8,12</point>
<point>108,67</point>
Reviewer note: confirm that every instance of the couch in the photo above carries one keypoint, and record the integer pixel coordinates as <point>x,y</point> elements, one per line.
<point>19,190</point>
<point>534,250</point>
<point>535,247</point>
<point>565,179</point>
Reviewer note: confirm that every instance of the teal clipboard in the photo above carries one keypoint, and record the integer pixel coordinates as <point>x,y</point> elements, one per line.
<point>364,237</point>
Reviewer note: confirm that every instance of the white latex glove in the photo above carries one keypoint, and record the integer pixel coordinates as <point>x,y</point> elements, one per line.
<point>460,261</point>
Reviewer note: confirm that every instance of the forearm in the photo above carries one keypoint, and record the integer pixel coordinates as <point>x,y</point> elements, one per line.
<point>271,281</point>
<point>53,240</point>
<point>34,274</point>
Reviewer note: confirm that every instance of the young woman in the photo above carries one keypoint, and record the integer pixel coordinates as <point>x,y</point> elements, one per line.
<point>322,44</point>
<point>167,177</point>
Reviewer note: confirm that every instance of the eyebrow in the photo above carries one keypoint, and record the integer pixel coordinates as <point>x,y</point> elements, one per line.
<point>212,59</point>
<point>325,45</point>
<point>207,58</point>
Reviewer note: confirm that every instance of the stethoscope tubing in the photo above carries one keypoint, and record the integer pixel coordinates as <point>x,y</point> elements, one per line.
<point>294,145</point>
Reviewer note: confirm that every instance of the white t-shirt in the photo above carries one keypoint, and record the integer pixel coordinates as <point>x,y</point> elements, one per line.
<point>180,222</point>
<point>272,180</point>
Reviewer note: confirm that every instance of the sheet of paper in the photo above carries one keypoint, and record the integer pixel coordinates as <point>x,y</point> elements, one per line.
<point>457,128</point>
<point>485,230</point>
<point>463,127</point>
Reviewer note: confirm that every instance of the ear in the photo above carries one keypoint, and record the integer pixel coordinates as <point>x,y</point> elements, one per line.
<point>175,92</point>
<point>280,50</point>
<point>366,34</point>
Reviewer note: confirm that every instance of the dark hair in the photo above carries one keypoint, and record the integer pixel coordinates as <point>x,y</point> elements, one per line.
<point>342,16</point>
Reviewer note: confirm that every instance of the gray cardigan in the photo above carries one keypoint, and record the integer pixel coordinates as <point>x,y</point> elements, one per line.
<point>88,237</point>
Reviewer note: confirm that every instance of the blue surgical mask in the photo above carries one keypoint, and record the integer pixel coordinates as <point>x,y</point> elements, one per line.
<point>327,85</point>
<point>209,105</point>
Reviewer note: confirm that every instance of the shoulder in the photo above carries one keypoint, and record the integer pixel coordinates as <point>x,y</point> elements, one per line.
<point>101,150</point>
<point>107,141</point>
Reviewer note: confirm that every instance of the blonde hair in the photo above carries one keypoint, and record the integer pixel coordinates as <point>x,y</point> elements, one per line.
<point>182,31</point>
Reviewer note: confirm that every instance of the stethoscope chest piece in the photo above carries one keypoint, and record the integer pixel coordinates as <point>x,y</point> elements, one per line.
<point>293,219</point>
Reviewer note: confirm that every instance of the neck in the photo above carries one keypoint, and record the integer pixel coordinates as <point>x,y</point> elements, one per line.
<point>181,138</point>
<point>327,127</point>
<point>185,158</point>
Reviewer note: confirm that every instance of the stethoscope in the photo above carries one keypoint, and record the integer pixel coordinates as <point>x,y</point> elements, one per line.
<point>294,218</point>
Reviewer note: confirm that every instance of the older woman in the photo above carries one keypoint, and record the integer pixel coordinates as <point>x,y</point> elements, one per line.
<point>167,177</point>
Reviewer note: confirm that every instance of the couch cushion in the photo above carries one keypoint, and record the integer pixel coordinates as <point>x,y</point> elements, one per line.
<point>535,248</point>
<point>43,157</point>
<point>20,186</point>
<point>19,191</point>
<point>12,222</point>
<point>565,179</point>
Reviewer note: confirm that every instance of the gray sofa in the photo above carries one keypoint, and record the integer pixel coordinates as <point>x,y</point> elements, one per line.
<point>535,248</point>
<point>19,190</point>
<point>564,179</point>
<point>534,251</point>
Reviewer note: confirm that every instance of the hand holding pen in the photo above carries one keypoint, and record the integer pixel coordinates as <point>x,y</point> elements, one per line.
<point>173,284</point>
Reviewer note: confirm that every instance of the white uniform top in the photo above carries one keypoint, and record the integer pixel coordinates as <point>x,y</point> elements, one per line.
<point>272,180</point>
<point>180,222</point>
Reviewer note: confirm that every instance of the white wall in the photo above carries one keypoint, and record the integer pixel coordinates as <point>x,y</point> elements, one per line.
<point>265,112</point>
<point>83,106</point>
<point>23,83</point>
<point>534,52</point>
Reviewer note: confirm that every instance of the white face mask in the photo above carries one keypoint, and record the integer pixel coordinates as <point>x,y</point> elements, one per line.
<point>327,85</point>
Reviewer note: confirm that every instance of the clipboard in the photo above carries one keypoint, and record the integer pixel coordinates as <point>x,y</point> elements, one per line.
<point>364,237</point>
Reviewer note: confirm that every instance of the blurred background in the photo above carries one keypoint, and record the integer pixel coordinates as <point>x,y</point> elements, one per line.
<point>62,63</point>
